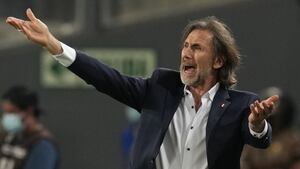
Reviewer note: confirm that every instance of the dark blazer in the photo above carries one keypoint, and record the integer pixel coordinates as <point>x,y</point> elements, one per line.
<point>158,97</point>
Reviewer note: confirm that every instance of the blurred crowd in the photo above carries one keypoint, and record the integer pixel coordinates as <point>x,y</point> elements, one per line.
<point>284,152</point>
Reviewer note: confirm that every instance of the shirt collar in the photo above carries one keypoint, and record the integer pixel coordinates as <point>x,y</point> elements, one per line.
<point>210,93</point>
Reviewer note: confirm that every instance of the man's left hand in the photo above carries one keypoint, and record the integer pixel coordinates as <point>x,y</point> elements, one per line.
<point>261,111</point>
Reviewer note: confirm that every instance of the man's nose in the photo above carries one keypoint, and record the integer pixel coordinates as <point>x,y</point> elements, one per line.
<point>187,53</point>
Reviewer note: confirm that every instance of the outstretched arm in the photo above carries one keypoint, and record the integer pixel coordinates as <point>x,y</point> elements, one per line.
<point>128,90</point>
<point>261,111</point>
<point>36,31</point>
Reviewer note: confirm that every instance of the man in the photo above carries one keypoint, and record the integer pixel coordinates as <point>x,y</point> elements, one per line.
<point>27,145</point>
<point>189,119</point>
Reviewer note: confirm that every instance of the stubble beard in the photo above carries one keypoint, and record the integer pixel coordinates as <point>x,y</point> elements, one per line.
<point>197,80</point>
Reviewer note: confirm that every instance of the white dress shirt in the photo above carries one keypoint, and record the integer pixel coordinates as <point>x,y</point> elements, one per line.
<point>184,145</point>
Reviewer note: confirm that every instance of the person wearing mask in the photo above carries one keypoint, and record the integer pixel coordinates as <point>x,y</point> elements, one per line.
<point>27,143</point>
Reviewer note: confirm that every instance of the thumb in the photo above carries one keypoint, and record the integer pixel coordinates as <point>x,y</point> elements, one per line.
<point>30,15</point>
<point>273,99</point>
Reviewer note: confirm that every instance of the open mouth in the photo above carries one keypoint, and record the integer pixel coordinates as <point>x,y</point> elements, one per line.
<point>189,69</point>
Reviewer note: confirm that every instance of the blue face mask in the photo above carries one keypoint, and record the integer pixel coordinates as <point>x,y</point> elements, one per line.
<point>12,123</point>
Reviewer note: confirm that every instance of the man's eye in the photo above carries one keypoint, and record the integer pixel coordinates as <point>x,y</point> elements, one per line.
<point>197,47</point>
<point>186,45</point>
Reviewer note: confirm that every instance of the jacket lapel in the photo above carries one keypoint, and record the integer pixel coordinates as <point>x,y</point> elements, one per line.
<point>174,93</point>
<point>173,100</point>
<point>218,107</point>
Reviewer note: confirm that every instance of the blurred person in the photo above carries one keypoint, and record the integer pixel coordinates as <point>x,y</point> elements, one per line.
<point>284,152</point>
<point>190,119</point>
<point>27,144</point>
<point>129,135</point>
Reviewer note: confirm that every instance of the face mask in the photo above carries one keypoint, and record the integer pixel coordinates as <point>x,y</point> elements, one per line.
<point>12,123</point>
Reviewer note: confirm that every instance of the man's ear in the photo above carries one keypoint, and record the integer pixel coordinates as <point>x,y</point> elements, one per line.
<point>218,62</point>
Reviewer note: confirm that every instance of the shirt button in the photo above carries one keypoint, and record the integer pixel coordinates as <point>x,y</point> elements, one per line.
<point>188,149</point>
<point>192,127</point>
<point>192,107</point>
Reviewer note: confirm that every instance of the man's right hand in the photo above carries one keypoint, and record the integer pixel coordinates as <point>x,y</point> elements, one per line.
<point>36,31</point>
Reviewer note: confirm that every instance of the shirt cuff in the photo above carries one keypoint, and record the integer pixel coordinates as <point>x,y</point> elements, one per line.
<point>67,57</point>
<point>259,135</point>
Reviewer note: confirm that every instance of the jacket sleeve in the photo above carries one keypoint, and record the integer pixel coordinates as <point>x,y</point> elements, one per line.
<point>128,90</point>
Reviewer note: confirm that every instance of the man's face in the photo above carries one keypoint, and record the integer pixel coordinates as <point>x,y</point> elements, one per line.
<point>8,107</point>
<point>13,118</point>
<point>198,61</point>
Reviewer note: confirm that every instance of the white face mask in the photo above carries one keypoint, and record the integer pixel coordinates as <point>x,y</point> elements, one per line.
<point>12,123</point>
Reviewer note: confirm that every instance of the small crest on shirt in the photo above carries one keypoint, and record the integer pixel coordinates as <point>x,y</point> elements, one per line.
<point>222,105</point>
